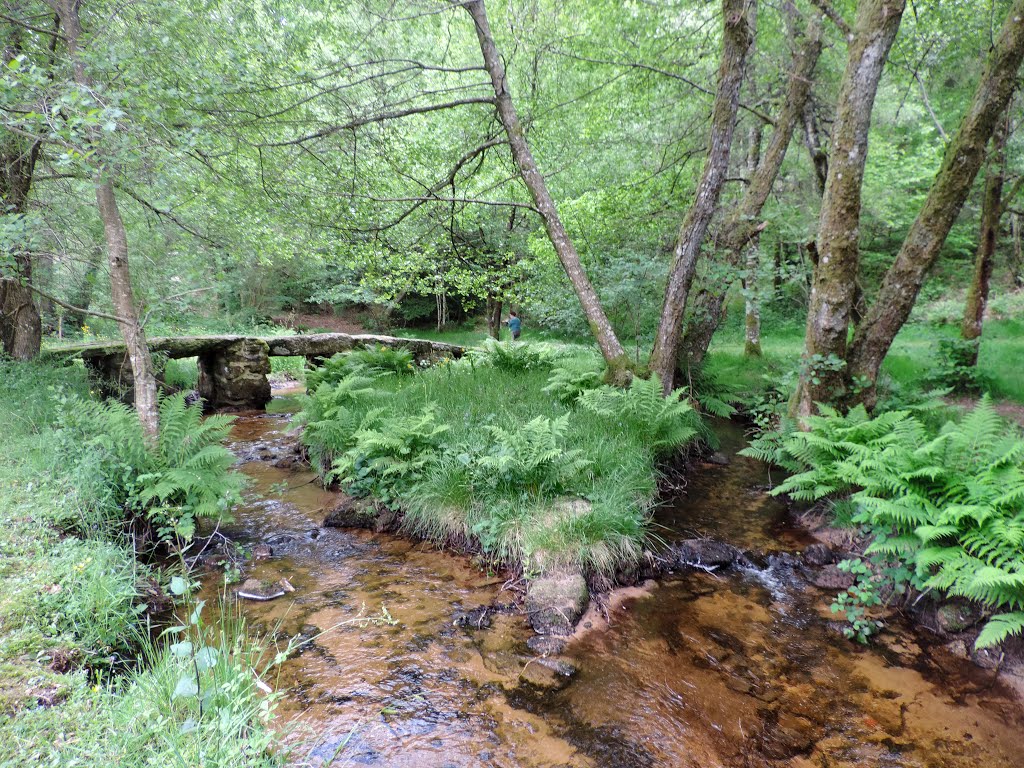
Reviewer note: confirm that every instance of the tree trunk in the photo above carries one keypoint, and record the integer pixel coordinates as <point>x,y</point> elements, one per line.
<point>928,233</point>
<point>82,297</point>
<point>737,38</point>
<point>752,307</point>
<point>21,328</point>
<point>494,306</point>
<point>1017,269</point>
<point>743,227</point>
<point>835,271</point>
<point>143,374</point>
<point>614,354</point>
<point>991,213</point>
<point>812,139</point>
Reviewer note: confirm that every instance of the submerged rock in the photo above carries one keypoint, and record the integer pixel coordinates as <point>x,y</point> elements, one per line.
<point>552,674</point>
<point>256,589</point>
<point>704,553</point>
<point>819,554</point>
<point>555,602</point>
<point>477,618</point>
<point>546,645</point>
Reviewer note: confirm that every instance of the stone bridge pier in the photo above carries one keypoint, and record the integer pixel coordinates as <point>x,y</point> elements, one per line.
<point>235,375</point>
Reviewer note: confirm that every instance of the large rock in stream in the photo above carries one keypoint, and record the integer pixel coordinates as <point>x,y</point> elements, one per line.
<point>555,602</point>
<point>703,553</point>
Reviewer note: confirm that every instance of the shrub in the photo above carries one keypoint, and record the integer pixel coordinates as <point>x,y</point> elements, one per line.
<point>944,508</point>
<point>172,484</point>
<point>955,366</point>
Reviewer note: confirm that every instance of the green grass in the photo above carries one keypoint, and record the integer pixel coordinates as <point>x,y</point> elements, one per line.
<point>913,355</point>
<point>81,683</point>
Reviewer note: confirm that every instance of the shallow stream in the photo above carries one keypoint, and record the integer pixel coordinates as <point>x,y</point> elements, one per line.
<point>734,669</point>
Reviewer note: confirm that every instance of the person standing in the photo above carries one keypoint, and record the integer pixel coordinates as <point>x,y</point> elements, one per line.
<point>515,325</point>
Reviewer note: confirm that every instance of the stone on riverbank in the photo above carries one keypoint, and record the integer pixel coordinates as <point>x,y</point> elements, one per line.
<point>555,602</point>
<point>351,512</point>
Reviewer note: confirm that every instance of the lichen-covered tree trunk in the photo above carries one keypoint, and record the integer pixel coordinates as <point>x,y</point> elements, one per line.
<point>752,305</point>
<point>988,236</point>
<point>615,356</point>
<point>963,159</point>
<point>835,273</point>
<point>743,226</point>
<point>737,39</point>
<point>143,373</point>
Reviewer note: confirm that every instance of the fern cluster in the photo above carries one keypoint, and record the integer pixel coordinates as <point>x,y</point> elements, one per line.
<point>185,476</point>
<point>388,454</point>
<point>572,377</point>
<point>948,503</point>
<point>666,422</point>
<point>513,356</point>
<point>377,360</point>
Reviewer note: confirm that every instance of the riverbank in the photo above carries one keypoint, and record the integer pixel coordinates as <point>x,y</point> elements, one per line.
<point>83,680</point>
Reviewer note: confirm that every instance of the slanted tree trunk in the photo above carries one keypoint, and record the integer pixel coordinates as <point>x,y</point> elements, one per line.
<point>21,328</point>
<point>835,273</point>
<point>963,159</point>
<point>991,213</point>
<point>615,356</point>
<point>743,225</point>
<point>143,373</point>
<point>737,39</point>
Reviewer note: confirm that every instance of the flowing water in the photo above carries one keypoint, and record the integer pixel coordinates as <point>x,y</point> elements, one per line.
<point>703,669</point>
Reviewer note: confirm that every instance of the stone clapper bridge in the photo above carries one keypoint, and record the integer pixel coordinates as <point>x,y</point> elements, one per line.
<point>233,369</point>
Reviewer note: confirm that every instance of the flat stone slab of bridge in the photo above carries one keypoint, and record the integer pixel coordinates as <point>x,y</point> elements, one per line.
<point>233,369</point>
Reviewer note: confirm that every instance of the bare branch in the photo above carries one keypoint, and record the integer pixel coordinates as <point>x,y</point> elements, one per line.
<point>379,118</point>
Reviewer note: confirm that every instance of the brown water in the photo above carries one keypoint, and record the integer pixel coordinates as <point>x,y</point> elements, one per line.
<point>736,669</point>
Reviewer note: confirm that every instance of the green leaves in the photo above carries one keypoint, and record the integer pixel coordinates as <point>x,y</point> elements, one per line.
<point>187,476</point>
<point>949,505</point>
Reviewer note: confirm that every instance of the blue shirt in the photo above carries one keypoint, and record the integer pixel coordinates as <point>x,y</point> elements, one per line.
<point>514,324</point>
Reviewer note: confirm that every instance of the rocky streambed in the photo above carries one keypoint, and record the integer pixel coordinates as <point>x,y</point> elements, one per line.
<point>728,658</point>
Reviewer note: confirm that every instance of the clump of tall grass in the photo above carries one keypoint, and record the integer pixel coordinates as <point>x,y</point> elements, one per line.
<point>488,455</point>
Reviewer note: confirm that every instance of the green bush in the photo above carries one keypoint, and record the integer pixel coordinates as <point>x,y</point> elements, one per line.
<point>944,508</point>
<point>185,476</point>
<point>955,366</point>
